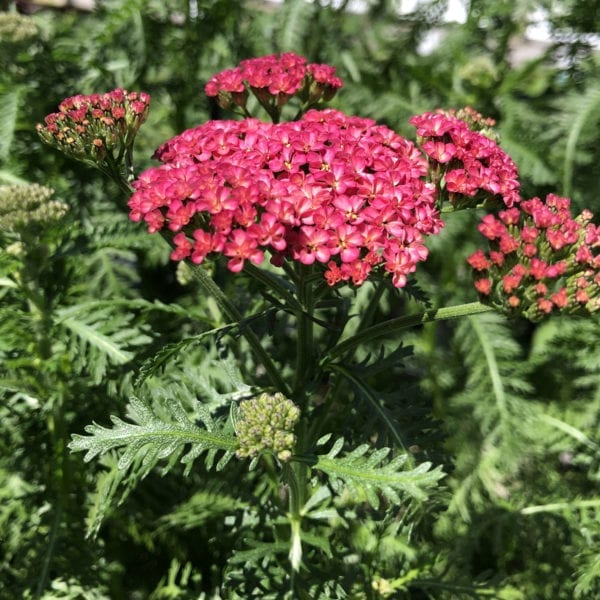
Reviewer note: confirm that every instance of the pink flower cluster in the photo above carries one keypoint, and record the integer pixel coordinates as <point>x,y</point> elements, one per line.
<point>274,80</point>
<point>87,127</point>
<point>328,189</point>
<point>541,260</point>
<point>466,164</point>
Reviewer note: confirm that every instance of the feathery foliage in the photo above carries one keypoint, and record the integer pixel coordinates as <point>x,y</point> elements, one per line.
<point>434,456</point>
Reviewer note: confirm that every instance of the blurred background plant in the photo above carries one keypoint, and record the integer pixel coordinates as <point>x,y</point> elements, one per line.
<point>511,410</point>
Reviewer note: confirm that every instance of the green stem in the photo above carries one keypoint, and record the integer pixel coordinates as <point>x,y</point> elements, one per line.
<point>367,316</point>
<point>269,280</point>
<point>231,313</point>
<point>294,475</point>
<point>51,386</point>
<point>497,384</point>
<point>305,335</point>
<point>394,325</point>
<point>43,579</point>
<point>567,506</point>
<point>112,169</point>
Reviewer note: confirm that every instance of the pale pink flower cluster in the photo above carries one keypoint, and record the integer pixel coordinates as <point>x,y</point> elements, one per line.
<point>465,163</point>
<point>541,260</point>
<point>328,189</point>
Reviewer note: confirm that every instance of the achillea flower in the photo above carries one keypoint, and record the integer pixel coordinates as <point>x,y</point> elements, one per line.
<point>97,127</point>
<point>467,165</point>
<point>27,208</point>
<point>329,189</point>
<point>266,424</point>
<point>542,260</point>
<point>274,80</point>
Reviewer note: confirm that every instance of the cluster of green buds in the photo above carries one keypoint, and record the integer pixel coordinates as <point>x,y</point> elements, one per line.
<point>17,35</point>
<point>266,424</point>
<point>16,28</point>
<point>98,129</point>
<point>28,208</point>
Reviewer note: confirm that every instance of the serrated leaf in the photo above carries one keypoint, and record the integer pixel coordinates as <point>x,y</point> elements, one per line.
<point>9,107</point>
<point>148,439</point>
<point>153,364</point>
<point>368,474</point>
<point>99,333</point>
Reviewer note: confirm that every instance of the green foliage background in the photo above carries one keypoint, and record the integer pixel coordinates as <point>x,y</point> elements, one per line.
<point>511,411</point>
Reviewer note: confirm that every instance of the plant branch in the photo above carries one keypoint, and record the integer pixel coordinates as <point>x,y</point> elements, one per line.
<point>398,324</point>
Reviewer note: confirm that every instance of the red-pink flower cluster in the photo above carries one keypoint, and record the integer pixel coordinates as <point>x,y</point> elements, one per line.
<point>274,80</point>
<point>87,127</point>
<point>328,189</point>
<point>541,260</point>
<point>466,165</point>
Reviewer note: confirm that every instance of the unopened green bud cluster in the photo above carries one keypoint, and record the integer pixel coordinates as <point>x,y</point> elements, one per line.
<point>266,424</point>
<point>16,28</point>
<point>18,34</point>
<point>26,206</point>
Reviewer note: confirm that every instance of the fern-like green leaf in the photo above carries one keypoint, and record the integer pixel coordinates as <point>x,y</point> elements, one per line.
<point>131,450</point>
<point>369,474</point>
<point>99,334</point>
<point>295,15</point>
<point>586,109</point>
<point>9,106</point>
<point>153,440</point>
<point>168,352</point>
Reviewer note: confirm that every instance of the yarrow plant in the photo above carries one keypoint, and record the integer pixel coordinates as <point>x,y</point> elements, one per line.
<point>274,80</point>
<point>466,164</point>
<point>328,189</point>
<point>266,424</point>
<point>319,211</point>
<point>27,208</point>
<point>541,260</point>
<point>98,129</point>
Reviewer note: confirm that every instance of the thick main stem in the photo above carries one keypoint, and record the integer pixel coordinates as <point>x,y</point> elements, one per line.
<point>305,335</point>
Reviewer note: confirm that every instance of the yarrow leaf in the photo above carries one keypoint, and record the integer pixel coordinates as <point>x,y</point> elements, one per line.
<point>98,334</point>
<point>151,439</point>
<point>371,474</point>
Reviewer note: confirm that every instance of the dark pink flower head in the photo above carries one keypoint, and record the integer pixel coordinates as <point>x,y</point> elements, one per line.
<point>88,128</point>
<point>274,79</point>
<point>541,260</point>
<point>328,189</point>
<point>466,163</point>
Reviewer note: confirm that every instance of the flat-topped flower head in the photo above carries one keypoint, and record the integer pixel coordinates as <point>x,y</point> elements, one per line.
<point>274,80</point>
<point>541,260</point>
<point>94,127</point>
<point>467,166</point>
<point>329,189</point>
